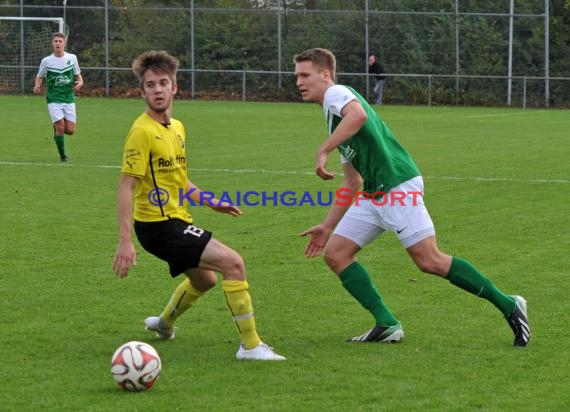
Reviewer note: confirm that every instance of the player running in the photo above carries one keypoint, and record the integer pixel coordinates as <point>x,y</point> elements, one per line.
<point>371,156</point>
<point>62,77</point>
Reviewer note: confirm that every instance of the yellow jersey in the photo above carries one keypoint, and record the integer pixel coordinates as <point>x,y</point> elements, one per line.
<point>155,153</point>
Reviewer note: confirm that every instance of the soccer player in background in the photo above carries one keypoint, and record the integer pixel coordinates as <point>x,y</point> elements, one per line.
<point>153,172</point>
<point>372,157</point>
<point>62,78</point>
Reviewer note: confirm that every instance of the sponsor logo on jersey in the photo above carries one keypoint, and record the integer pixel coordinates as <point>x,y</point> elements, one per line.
<point>61,80</point>
<point>347,151</point>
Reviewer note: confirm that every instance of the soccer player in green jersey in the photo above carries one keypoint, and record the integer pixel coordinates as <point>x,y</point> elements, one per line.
<point>62,78</point>
<point>154,173</point>
<point>391,200</point>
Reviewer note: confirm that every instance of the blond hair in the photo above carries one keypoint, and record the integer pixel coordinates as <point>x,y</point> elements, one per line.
<point>322,58</point>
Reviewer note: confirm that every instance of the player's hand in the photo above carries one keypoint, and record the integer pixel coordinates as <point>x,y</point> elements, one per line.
<point>125,257</point>
<point>37,89</point>
<point>319,237</point>
<point>225,207</point>
<point>321,168</point>
<point>78,85</point>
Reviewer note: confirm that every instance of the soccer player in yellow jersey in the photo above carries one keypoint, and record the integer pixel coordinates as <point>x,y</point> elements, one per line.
<point>153,174</point>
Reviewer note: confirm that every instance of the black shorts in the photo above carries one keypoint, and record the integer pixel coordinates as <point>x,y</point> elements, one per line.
<point>175,241</point>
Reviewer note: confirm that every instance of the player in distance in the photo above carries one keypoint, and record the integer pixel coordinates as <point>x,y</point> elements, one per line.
<point>62,78</point>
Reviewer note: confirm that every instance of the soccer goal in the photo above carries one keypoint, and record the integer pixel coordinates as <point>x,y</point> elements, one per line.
<point>25,41</point>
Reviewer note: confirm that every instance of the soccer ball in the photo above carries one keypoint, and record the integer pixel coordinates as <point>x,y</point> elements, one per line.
<point>135,366</point>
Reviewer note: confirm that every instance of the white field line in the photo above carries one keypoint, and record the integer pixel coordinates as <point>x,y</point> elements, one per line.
<point>474,116</point>
<point>290,172</point>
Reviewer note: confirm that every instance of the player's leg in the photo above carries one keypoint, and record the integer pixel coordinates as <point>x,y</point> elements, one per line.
<point>69,127</point>
<point>59,127</point>
<point>57,117</point>
<point>180,245</point>
<point>221,258</point>
<point>466,276</point>
<point>354,231</point>
<point>459,272</point>
<point>196,283</point>
<point>59,139</point>
<point>70,118</point>
<point>414,227</point>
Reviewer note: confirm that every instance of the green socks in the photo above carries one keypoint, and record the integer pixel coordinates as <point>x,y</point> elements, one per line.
<point>60,145</point>
<point>466,276</point>
<point>356,280</point>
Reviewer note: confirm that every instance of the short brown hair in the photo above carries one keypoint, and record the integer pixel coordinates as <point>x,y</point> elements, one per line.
<point>58,34</point>
<point>159,61</point>
<point>322,58</point>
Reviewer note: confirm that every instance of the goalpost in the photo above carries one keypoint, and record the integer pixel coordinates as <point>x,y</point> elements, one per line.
<point>25,41</point>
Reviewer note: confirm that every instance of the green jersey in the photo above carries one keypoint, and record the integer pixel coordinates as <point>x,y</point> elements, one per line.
<point>59,74</point>
<point>373,151</point>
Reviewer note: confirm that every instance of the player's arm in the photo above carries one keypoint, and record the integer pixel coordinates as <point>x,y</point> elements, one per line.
<point>40,76</point>
<point>215,204</point>
<point>125,255</point>
<point>320,234</point>
<point>38,84</point>
<point>353,118</point>
<point>78,82</point>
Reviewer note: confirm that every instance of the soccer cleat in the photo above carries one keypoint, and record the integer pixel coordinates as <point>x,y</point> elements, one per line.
<point>518,321</point>
<point>260,352</point>
<point>155,324</point>
<point>64,158</point>
<point>381,334</point>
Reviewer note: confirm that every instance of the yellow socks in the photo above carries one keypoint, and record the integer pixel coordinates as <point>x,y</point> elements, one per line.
<point>239,302</point>
<point>237,298</point>
<point>183,297</point>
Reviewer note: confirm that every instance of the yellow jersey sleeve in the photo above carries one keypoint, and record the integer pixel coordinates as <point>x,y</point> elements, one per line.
<point>136,152</point>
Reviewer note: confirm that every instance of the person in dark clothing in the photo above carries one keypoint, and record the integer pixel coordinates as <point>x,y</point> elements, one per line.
<point>376,68</point>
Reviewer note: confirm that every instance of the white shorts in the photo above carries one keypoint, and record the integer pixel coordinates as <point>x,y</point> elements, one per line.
<point>58,111</point>
<point>401,211</point>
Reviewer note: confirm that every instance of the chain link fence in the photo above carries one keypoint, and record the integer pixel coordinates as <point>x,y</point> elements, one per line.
<point>434,52</point>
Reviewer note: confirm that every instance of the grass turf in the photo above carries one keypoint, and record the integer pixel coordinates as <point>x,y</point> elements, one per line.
<point>497,188</point>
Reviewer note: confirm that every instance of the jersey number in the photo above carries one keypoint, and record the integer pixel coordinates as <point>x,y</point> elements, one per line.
<point>194,231</point>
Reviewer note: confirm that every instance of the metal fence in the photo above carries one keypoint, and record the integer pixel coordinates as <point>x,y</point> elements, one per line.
<point>242,50</point>
<point>399,88</point>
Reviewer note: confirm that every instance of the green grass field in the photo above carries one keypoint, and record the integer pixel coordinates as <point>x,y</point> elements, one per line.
<point>497,187</point>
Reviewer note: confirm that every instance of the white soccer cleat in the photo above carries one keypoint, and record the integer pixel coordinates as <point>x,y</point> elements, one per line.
<point>518,321</point>
<point>260,352</point>
<point>378,333</point>
<point>155,324</point>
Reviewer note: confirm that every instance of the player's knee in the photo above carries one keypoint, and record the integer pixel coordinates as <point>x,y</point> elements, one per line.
<point>234,266</point>
<point>208,283</point>
<point>431,265</point>
<point>425,266</point>
<point>335,261</point>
